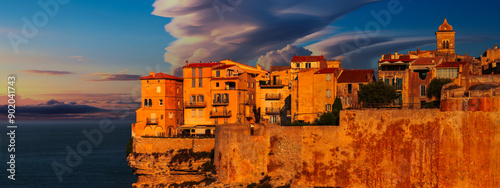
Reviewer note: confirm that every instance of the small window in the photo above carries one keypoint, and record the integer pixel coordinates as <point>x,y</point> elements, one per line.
<point>200,72</point>
<point>201,98</point>
<point>387,81</point>
<point>349,88</point>
<point>145,102</point>
<point>178,103</point>
<point>193,83</point>
<point>298,65</point>
<point>201,82</point>
<point>161,102</point>
<point>158,89</point>
<point>328,93</point>
<point>177,89</point>
<point>216,84</point>
<point>193,71</point>
<point>328,77</point>
<point>170,115</point>
<point>328,107</point>
<point>200,112</point>
<point>150,103</point>
<point>422,91</point>
<point>217,74</point>
<point>360,85</point>
<point>193,113</point>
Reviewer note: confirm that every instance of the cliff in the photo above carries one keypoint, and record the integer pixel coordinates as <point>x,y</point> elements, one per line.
<point>172,162</point>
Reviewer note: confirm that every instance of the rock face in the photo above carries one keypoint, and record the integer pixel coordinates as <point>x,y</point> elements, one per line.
<point>170,162</point>
<point>371,148</point>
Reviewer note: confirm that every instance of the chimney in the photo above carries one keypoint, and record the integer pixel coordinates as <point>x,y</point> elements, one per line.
<point>152,73</point>
<point>187,62</point>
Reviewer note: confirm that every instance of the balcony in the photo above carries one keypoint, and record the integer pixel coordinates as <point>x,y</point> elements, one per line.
<point>273,96</point>
<point>150,121</point>
<point>272,84</point>
<point>195,104</point>
<point>220,103</point>
<point>220,114</point>
<point>272,110</point>
<point>249,102</point>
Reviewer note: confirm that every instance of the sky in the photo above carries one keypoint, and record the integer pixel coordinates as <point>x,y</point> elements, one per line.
<point>82,59</point>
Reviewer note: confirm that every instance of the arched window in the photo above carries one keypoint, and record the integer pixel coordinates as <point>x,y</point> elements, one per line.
<point>444,44</point>
<point>145,102</point>
<point>328,93</point>
<point>150,103</point>
<point>328,77</point>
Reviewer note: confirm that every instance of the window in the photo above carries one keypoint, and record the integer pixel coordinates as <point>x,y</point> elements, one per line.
<point>216,121</point>
<point>177,89</point>
<point>273,119</point>
<point>150,103</point>
<point>193,113</point>
<point>328,107</point>
<point>399,84</point>
<point>161,102</point>
<point>201,98</point>
<point>145,102</point>
<point>193,83</point>
<point>298,65</point>
<point>253,84</point>
<point>200,72</point>
<point>360,85</point>
<point>217,74</point>
<point>328,93</point>
<point>248,84</point>
<point>422,90</point>
<point>328,77</point>
<point>349,88</point>
<point>178,103</point>
<point>308,65</point>
<point>193,71</point>
<point>201,82</point>
<point>387,81</point>
<point>158,89</point>
<point>192,99</point>
<point>170,115</point>
<point>216,84</point>
<point>200,112</point>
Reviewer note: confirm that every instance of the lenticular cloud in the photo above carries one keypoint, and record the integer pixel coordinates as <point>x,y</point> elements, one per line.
<point>243,30</point>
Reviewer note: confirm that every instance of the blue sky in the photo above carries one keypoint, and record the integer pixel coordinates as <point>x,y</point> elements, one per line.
<point>99,48</point>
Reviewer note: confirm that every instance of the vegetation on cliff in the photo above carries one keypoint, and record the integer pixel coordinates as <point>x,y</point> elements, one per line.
<point>130,147</point>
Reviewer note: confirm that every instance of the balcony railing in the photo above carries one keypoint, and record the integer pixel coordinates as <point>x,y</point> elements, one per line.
<point>273,96</point>
<point>152,121</point>
<point>220,103</point>
<point>220,114</point>
<point>275,83</point>
<point>195,104</point>
<point>249,102</point>
<point>272,110</point>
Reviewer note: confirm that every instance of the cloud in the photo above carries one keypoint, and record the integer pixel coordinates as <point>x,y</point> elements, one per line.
<point>281,57</point>
<point>47,72</point>
<point>121,76</point>
<point>78,58</point>
<point>53,102</point>
<point>58,109</point>
<point>243,30</point>
<point>20,101</point>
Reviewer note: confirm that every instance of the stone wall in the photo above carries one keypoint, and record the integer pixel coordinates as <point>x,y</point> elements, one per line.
<point>370,148</point>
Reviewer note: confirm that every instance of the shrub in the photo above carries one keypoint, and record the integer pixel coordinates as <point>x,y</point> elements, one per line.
<point>130,147</point>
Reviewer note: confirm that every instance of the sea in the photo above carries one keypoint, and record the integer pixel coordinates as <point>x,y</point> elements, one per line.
<point>42,150</point>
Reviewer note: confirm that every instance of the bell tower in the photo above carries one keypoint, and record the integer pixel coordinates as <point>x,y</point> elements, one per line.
<point>446,38</point>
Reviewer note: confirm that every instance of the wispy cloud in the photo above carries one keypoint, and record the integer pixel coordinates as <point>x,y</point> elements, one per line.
<point>47,72</point>
<point>121,76</point>
<point>78,58</point>
<point>249,30</point>
<point>281,57</point>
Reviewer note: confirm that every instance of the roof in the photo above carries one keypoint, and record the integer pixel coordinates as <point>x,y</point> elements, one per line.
<point>354,76</point>
<point>307,58</point>
<point>396,60</point>
<point>279,68</point>
<point>160,76</point>
<point>225,78</point>
<point>211,64</point>
<point>451,64</point>
<point>223,67</point>
<point>427,61</point>
<point>445,26</point>
<point>327,70</point>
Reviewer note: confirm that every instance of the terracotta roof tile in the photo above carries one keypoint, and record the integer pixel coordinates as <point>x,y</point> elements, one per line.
<point>307,58</point>
<point>355,76</point>
<point>427,61</point>
<point>160,76</point>
<point>327,70</point>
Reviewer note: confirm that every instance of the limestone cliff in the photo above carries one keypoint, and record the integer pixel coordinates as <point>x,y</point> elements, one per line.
<point>181,166</point>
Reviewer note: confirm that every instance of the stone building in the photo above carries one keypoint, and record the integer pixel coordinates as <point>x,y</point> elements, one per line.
<point>218,93</point>
<point>348,84</point>
<point>161,111</point>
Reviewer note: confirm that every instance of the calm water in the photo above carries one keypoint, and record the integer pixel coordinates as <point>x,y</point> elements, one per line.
<point>38,144</point>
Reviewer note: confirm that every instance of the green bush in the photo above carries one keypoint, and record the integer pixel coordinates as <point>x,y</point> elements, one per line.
<point>130,147</point>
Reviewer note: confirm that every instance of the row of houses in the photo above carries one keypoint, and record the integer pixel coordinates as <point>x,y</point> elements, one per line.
<point>228,92</point>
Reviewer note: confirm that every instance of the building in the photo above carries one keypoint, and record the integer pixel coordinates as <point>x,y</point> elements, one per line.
<point>218,93</point>
<point>274,97</point>
<point>161,111</point>
<point>490,61</point>
<point>348,84</point>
